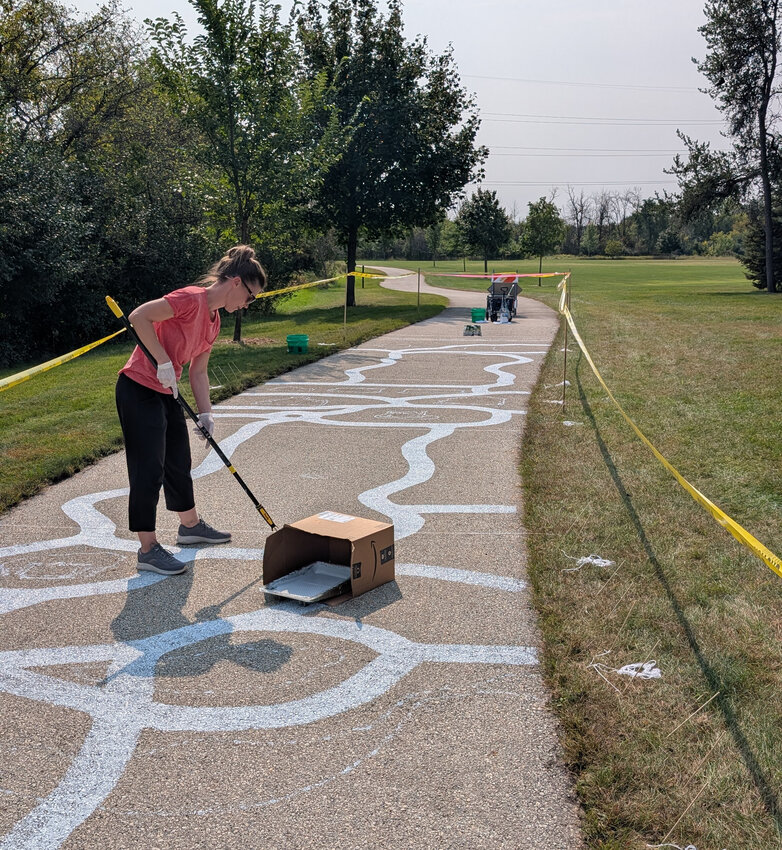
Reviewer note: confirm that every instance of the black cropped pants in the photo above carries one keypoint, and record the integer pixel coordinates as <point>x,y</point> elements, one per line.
<point>157,449</point>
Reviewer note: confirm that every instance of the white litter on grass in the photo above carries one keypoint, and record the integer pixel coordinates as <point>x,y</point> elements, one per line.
<point>554,401</point>
<point>594,560</point>
<point>645,670</point>
<point>675,846</point>
<point>569,423</point>
<point>560,384</point>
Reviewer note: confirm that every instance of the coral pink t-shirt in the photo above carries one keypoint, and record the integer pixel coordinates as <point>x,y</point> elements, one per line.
<point>187,334</point>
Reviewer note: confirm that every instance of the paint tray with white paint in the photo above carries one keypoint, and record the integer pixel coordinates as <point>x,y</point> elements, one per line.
<point>312,583</point>
<point>362,549</point>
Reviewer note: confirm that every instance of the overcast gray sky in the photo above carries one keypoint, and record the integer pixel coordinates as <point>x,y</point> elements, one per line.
<point>587,94</point>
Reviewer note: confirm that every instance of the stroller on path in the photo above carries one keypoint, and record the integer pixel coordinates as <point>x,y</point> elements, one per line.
<point>501,300</point>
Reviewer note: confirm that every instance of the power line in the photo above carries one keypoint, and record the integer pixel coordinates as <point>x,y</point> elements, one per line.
<point>597,118</point>
<point>602,123</point>
<point>490,116</point>
<point>684,89</point>
<point>580,183</point>
<point>578,150</point>
<point>586,155</point>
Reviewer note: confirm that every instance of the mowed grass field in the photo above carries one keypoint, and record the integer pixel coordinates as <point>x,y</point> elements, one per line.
<point>692,352</point>
<point>59,421</point>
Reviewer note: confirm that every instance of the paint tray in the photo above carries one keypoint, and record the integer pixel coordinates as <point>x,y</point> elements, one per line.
<point>312,583</point>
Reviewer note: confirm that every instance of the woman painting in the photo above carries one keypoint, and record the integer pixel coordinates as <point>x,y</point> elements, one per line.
<point>178,328</point>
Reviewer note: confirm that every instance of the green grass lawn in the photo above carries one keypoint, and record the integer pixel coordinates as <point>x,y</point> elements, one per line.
<point>692,353</point>
<point>61,420</point>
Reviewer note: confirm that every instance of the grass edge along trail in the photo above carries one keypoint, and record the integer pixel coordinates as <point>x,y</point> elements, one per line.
<point>691,351</point>
<point>60,421</point>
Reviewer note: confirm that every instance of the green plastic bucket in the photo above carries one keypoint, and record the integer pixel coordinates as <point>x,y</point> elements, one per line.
<point>478,314</point>
<point>297,343</point>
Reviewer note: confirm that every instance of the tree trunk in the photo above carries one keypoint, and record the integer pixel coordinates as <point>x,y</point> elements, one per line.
<point>350,296</point>
<point>244,231</point>
<point>540,268</point>
<point>485,264</point>
<point>770,283</point>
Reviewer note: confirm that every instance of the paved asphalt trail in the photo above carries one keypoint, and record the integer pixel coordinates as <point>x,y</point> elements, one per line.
<point>137,711</point>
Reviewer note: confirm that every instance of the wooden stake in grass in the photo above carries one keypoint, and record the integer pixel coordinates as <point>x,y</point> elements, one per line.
<point>345,314</point>
<point>711,750</point>
<point>602,586</point>
<point>624,623</point>
<point>564,375</point>
<point>693,714</point>
<point>692,802</point>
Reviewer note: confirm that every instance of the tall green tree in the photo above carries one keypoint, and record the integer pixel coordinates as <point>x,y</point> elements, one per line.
<point>238,82</point>
<point>743,48</point>
<point>649,220</point>
<point>93,181</point>
<point>484,225</point>
<point>60,74</point>
<point>590,244</point>
<point>434,237</point>
<point>543,231</point>
<point>412,149</point>
<point>753,255</point>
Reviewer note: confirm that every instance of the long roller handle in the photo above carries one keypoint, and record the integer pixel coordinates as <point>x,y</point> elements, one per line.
<point>115,308</point>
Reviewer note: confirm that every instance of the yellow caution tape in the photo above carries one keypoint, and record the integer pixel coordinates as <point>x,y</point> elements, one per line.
<point>273,292</point>
<point>20,377</point>
<point>497,275</point>
<point>741,534</point>
<point>376,276</point>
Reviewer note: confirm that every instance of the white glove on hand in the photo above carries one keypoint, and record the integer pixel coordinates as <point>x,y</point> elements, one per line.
<point>207,420</point>
<point>167,377</point>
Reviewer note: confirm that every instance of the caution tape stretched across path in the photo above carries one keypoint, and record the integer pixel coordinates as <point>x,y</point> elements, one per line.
<point>274,292</point>
<point>495,275</point>
<point>20,377</point>
<point>772,561</point>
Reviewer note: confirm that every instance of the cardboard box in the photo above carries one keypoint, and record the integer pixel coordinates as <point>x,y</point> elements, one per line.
<point>364,545</point>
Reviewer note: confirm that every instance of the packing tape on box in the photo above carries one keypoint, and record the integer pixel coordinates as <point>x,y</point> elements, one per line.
<point>20,377</point>
<point>772,561</point>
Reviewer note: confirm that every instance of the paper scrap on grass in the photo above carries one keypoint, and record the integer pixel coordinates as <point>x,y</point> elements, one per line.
<point>645,670</point>
<point>595,560</point>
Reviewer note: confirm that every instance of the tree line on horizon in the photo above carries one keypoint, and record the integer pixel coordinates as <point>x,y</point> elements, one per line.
<point>603,224</point>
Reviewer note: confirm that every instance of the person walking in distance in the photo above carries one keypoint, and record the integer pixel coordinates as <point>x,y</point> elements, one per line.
<point>178,328</point>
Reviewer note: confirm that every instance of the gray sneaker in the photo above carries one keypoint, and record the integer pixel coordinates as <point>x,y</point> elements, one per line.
<point>160,560</point>
<point>202,532</point>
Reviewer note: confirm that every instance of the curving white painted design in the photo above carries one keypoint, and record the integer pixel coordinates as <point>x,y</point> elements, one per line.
<point>122,706</point>
<point>512,585</point>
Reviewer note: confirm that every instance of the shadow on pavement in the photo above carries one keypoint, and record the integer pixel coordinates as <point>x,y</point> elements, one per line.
<point>155,609</point>
<point>158,608</point>
<point>369,603</point>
